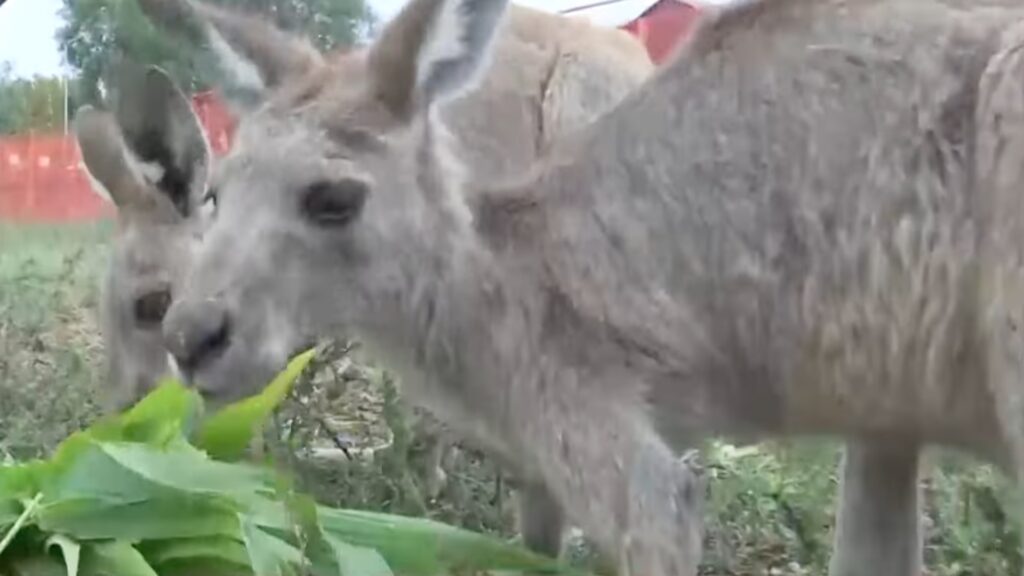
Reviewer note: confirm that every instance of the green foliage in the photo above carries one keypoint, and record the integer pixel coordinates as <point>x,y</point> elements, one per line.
<point>131,495</point>
<point>35,104</point>
<point>50,361</point>
<point>99,33</point>
<point>329,24</point>
<point>229,433</point>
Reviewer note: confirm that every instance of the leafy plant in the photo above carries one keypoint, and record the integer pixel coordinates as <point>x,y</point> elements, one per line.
<point>159,489</point>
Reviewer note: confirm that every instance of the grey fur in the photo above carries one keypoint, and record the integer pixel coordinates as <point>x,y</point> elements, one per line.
<point>805,224</point>
<point>565,74</point>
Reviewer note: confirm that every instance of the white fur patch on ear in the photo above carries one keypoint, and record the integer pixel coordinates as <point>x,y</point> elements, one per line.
<point>244,71</point>
<point>148,172</point>
<point>151,171</point>
<point>458,47</point>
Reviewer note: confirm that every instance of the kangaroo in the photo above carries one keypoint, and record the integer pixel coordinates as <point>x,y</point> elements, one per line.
<point>802,225</point>
<point>878,510</point>
<point>485,304</point>
<point>567,72</point>
<point>151,158</point>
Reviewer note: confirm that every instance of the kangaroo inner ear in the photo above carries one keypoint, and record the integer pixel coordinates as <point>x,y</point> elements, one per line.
<point>433,51</point>
<point>165,135</point>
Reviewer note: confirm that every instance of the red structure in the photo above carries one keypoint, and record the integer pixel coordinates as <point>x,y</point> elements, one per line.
<point>662,25</point>
<point>216,120</point>
<point>41,178</point>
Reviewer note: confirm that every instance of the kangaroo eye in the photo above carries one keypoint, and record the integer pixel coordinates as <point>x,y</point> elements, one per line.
<point>334,203</point>
<point>149,309</point>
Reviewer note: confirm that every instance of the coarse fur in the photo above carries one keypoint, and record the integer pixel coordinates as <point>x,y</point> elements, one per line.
<point>805,224</point>
<point>569,62</point>
<point>556,74</point>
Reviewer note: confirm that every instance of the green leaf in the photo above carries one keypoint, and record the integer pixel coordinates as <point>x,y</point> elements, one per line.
<point>70,550</point>
<point>114,558</point>
<point>421,546</point>
<point>34,565</point>
<point>357,560</point>
<point>158,419</point>
<point>180,516</point>
<point>184,468</point>
<point>227,434</point>
<point>204,567</point>
<point>23,518</point>
<point>21,481</point>
<point>95,474</point>
<point>161,416</point>
<point>9,512</point>
<point>269,555</point>
<point>228,550</point>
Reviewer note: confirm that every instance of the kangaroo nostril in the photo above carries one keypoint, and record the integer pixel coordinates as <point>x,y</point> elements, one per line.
<point>209,345</point>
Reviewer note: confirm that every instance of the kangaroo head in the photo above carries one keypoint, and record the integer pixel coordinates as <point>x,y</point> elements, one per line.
<point>337,207</point>
<point>150,157</point>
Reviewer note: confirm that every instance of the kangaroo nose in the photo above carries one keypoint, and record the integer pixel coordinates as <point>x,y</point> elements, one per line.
<point>195,333</point>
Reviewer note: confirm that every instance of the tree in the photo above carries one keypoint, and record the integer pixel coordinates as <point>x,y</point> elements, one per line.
<point>12,110</point>
<point>329,23</point>
<point>98,33</point>
<point>36,104</point>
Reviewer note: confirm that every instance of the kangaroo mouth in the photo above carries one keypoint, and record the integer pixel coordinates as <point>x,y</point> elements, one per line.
<point>304,345</point>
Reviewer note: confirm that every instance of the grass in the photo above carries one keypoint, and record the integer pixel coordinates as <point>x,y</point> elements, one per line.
<point>770,508</point>
<point>49,345</point>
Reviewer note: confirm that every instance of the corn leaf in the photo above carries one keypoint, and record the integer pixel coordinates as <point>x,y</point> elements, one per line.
<point>164,552</point>
<point>227,434</point>
<point>357,560</point>
<point>157,519</point>
<point>269,555</point>
<point>130,496</point>
<point>184,468</point>
<point>37,565</point>
<point>420,546</point>
<point>114,558</point>
<point>9,512</point>
<point>69,549</point>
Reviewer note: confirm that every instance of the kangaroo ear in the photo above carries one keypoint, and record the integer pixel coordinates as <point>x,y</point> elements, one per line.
<point>105,156</point>
<point>164,134</point>
<point>255,53</point>
<point>432,51</point>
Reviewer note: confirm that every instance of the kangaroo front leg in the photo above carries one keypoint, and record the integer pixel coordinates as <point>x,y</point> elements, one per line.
<point>622,484</point>
<point>541,521</point>
<point>435,476</point>
<point>878,529</point>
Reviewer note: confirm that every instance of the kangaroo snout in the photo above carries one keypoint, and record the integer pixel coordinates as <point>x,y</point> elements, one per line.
<point>196,333</point>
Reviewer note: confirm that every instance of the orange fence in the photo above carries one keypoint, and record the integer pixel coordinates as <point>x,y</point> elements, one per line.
<point>42,180</point>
